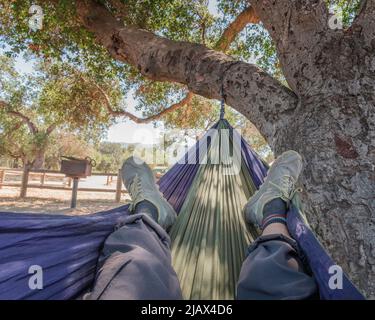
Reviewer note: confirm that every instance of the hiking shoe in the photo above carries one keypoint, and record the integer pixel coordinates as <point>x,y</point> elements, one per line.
<point>279,183</point>
<point>139,180</point>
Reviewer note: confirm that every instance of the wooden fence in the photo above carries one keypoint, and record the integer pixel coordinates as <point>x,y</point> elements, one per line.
<point>44,178</point>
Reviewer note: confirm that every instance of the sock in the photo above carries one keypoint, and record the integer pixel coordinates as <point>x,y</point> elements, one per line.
<point>274,211</point>
<point>148,208</point>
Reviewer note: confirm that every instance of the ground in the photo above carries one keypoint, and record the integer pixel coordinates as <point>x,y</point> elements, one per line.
<point>57,201</point>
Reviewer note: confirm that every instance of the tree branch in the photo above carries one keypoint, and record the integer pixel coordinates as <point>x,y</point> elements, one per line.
<point>248,89</point>
<point>21,116</point>
<point>364,23</point>
<point>51,128</point>
<point>230,33</point>
<point>7,135</point>
<point>119,113</point>
<point>298,29</point>
<point>14,155</point>
<point>228,36</point>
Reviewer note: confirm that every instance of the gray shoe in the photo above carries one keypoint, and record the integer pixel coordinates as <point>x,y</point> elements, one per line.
<point>139,180</point>
<point>280,183</point>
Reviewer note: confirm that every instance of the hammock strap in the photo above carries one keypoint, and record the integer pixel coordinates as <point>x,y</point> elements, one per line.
<point>222,103</point>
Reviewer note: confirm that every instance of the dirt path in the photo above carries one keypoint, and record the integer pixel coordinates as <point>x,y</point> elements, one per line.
<point>56,201</point>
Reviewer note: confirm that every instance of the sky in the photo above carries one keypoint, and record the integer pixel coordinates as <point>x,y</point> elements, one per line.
<point>125,130</point>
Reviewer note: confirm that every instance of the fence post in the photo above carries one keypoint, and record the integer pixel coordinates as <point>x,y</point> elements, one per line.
<point>42,178</point>
<point>25,181</point>
<point>2,175</point>
<point>73,203</point>
<point>118,186</point>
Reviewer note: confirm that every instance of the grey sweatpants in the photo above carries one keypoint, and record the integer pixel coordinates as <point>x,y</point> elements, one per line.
<point>136,264</point>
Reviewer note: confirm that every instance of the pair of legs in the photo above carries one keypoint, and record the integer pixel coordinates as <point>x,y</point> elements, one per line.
<point>136,262</point>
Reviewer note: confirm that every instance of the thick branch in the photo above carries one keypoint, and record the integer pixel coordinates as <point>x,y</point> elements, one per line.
<point>364,23</point>
<point>19,115</point>
<point>245,17</point>
<point>248,89</point>
<point>298,29</point>
<point>230,33</point>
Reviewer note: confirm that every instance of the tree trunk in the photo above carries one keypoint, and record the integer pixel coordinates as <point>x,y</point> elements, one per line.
<point>39,159</point>
<point>329,116</point>
<point>25,180</point>
<point>338,180</point>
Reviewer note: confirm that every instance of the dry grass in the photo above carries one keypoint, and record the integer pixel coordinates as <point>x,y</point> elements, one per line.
<point>56,201</point>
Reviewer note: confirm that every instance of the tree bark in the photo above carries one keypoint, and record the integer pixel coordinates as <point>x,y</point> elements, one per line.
<point>329,116</point>
<point>25,180</point>
<point>39,158</point>
<point>364,24</point>
<point>333,74</point>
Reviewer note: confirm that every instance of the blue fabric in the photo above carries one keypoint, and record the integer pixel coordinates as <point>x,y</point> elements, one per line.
<point>66,247</point>
<point>319,260</point>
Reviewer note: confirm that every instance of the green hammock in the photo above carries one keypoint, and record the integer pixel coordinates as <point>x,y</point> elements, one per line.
<point>210,237</point>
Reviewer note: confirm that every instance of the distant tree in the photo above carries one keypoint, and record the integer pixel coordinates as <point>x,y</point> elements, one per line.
<point>36,105</point>
<point>66,144</point>
<point>109,156</point>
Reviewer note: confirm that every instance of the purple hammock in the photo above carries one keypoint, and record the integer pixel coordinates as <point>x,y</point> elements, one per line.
<point>68,247</point>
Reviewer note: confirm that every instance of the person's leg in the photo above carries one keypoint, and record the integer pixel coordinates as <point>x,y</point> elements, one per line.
<point>135,262</point>
<point>274,267</point>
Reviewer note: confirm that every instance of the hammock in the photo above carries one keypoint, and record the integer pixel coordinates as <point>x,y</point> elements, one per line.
<point>209,238</point>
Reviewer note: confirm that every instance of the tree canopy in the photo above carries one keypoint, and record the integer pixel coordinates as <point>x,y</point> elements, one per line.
<point>35,106</point>
<point>232,27</point>
<point>63,38</point>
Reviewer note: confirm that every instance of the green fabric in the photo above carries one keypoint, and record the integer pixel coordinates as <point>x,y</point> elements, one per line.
<point>210,237</point>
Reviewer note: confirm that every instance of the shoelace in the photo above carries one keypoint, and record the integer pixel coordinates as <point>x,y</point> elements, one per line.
<point>287,187</point>
<point>135,190</point>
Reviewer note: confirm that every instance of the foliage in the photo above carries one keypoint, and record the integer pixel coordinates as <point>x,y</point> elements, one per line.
<point>348,9</point>
<point>63,38</point>
<point>53,97</point>
<point>66,144</point>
